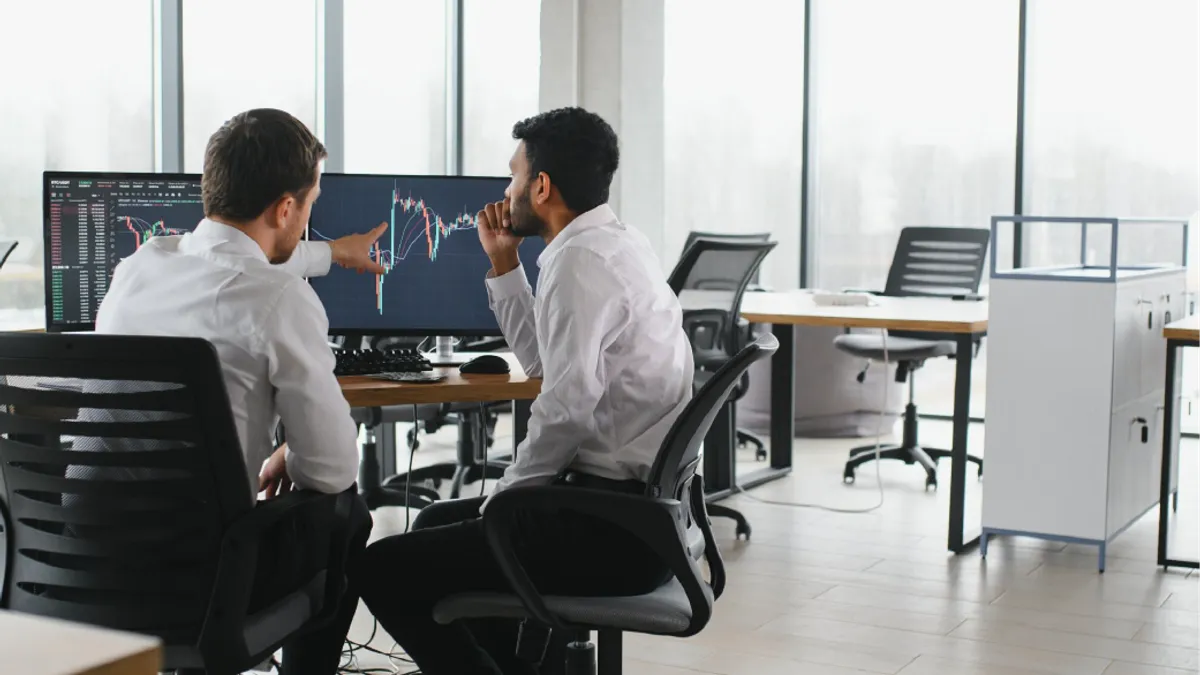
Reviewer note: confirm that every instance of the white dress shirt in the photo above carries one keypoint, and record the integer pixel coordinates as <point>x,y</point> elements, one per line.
<point>605,333</point>
<point>270,332</point>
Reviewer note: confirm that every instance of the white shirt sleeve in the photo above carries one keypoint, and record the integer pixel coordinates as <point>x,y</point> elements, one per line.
<point>310,259</point>
<point>585,309</point>
<point>511,299</point>
<point>322,452</point>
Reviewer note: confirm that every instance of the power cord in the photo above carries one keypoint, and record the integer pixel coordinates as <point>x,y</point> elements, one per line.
<point>878,443</point>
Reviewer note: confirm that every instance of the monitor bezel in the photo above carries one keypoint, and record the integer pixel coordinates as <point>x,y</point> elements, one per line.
<point>410,332</point>
<point>47,176</point>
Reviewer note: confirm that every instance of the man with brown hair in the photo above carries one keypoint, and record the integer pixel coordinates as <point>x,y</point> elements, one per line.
<point>237,281</point>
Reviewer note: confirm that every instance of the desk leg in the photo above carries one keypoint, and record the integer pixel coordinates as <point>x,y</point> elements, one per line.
<point>521,411</point>
<point>958,451</point>
<point>783,397</point>
<point>1164,494</point>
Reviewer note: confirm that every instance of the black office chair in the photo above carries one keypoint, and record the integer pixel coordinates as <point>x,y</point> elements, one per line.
<point>744,438</point>
<point>929,262</point>
<point>711,279</point>
<point>126,501</point>
<point>670,518</point>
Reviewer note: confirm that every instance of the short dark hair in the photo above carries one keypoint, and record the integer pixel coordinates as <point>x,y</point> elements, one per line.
<point>254,159</point>
<point>577,149</point>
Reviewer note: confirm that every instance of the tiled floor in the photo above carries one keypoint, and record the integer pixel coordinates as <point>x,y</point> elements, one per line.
<point>825,593</point>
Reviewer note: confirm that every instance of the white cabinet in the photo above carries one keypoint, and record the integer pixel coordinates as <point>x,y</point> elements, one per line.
<point>1076,363</point>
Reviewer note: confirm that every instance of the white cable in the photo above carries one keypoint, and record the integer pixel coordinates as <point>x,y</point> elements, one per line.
<point>878,443</point>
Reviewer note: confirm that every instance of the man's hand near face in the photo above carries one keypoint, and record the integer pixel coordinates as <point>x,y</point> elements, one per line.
<point>353,251</point>
<point>495,233</point>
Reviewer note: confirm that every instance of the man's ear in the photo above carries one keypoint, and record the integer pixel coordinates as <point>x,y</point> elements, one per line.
<point>542,192</point>
<point>279,211</point>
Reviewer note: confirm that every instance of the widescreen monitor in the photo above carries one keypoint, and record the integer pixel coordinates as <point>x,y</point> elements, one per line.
<point>436,265</point>
<point>92,221</point>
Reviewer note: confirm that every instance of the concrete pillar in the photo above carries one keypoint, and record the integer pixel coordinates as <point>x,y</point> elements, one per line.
<point>607,56</point>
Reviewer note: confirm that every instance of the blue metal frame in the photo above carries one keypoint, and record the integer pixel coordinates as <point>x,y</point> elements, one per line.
<point>989,532</point>
<point>1113,265</point>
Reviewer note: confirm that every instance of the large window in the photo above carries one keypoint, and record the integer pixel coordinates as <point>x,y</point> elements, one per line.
<point>77,95</point>
<point>914,108</point>
<point>1113,129</point>
<point>395,86</point>
<point>245,54</point>
<point>733,93</point>
<point>501,70</point>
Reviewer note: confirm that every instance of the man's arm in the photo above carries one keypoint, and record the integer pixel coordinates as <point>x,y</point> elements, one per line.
<point>310,259</point>
<point>585,311</point>
<point>353,251</point>
<point>321,450</point>
<point>511,299</point>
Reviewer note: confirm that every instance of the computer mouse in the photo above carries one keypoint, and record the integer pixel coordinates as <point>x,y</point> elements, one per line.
<point>487,364</point>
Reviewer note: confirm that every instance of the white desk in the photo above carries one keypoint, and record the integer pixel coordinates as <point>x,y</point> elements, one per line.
<point>35,645</point>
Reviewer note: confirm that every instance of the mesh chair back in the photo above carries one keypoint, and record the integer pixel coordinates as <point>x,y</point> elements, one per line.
<point>710,280</point>
<point>721,236</point>
<point>120,469</point>
<point>6,248</point>
<point>671,474</point>
<point>937,262</point>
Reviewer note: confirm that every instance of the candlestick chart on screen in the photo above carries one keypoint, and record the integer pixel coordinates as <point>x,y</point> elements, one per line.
<point>135,224</point>
<point>431,251</point>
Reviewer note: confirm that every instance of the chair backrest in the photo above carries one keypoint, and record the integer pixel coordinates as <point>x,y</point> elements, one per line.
<point>936,262</point>
<point>710,280</point>
<point>6,248</point>
<point>679,454</point>
<point>120,470</point>
<point>723,236</point>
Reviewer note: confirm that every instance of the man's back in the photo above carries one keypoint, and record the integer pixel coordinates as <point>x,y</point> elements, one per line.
<point>263,320</point>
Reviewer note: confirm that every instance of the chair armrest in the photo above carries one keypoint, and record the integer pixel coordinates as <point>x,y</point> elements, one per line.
<point>659,523</point>
<point>234,579</point>
<point>716,565</point>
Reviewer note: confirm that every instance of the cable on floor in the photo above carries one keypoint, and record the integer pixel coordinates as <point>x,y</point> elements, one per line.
<point>737,489</point>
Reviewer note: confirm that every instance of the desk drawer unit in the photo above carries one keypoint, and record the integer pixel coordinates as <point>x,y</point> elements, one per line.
<point>1075,393</point>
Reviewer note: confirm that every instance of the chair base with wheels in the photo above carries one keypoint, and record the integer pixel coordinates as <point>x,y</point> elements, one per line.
<point>909,354</point>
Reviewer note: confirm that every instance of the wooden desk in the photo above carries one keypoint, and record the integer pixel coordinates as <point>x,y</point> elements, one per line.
<point>1182,333</point>
<point>378,458</point>
<point>36,645</point>
<point>366,392</point>
<point>962,321</point>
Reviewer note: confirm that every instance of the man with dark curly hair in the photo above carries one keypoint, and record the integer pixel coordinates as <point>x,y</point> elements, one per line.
<point>605,333</point>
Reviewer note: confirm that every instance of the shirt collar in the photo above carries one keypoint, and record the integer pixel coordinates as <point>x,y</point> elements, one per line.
<point>228,239</point>
<point>601,215</point>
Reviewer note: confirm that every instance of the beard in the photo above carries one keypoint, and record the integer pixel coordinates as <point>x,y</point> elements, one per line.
<point>525,222</point>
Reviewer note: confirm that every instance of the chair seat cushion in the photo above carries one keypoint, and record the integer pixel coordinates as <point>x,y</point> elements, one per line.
<point>870,346</point>
<point>665,611</point>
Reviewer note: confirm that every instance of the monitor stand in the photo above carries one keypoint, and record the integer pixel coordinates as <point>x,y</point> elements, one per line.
<point>444,355</point>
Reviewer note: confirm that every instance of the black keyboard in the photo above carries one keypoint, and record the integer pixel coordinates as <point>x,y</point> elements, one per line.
<point>375,361</point>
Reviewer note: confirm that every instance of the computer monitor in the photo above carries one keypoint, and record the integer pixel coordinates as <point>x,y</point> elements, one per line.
<point>92,221</point>
<point>435,283</point>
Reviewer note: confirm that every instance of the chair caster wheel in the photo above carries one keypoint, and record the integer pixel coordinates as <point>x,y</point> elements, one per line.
<point>848,477</point>
<point>930,482</point>
<point>742,531</point>
<point>760,455</point>
<point>413,443</point>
